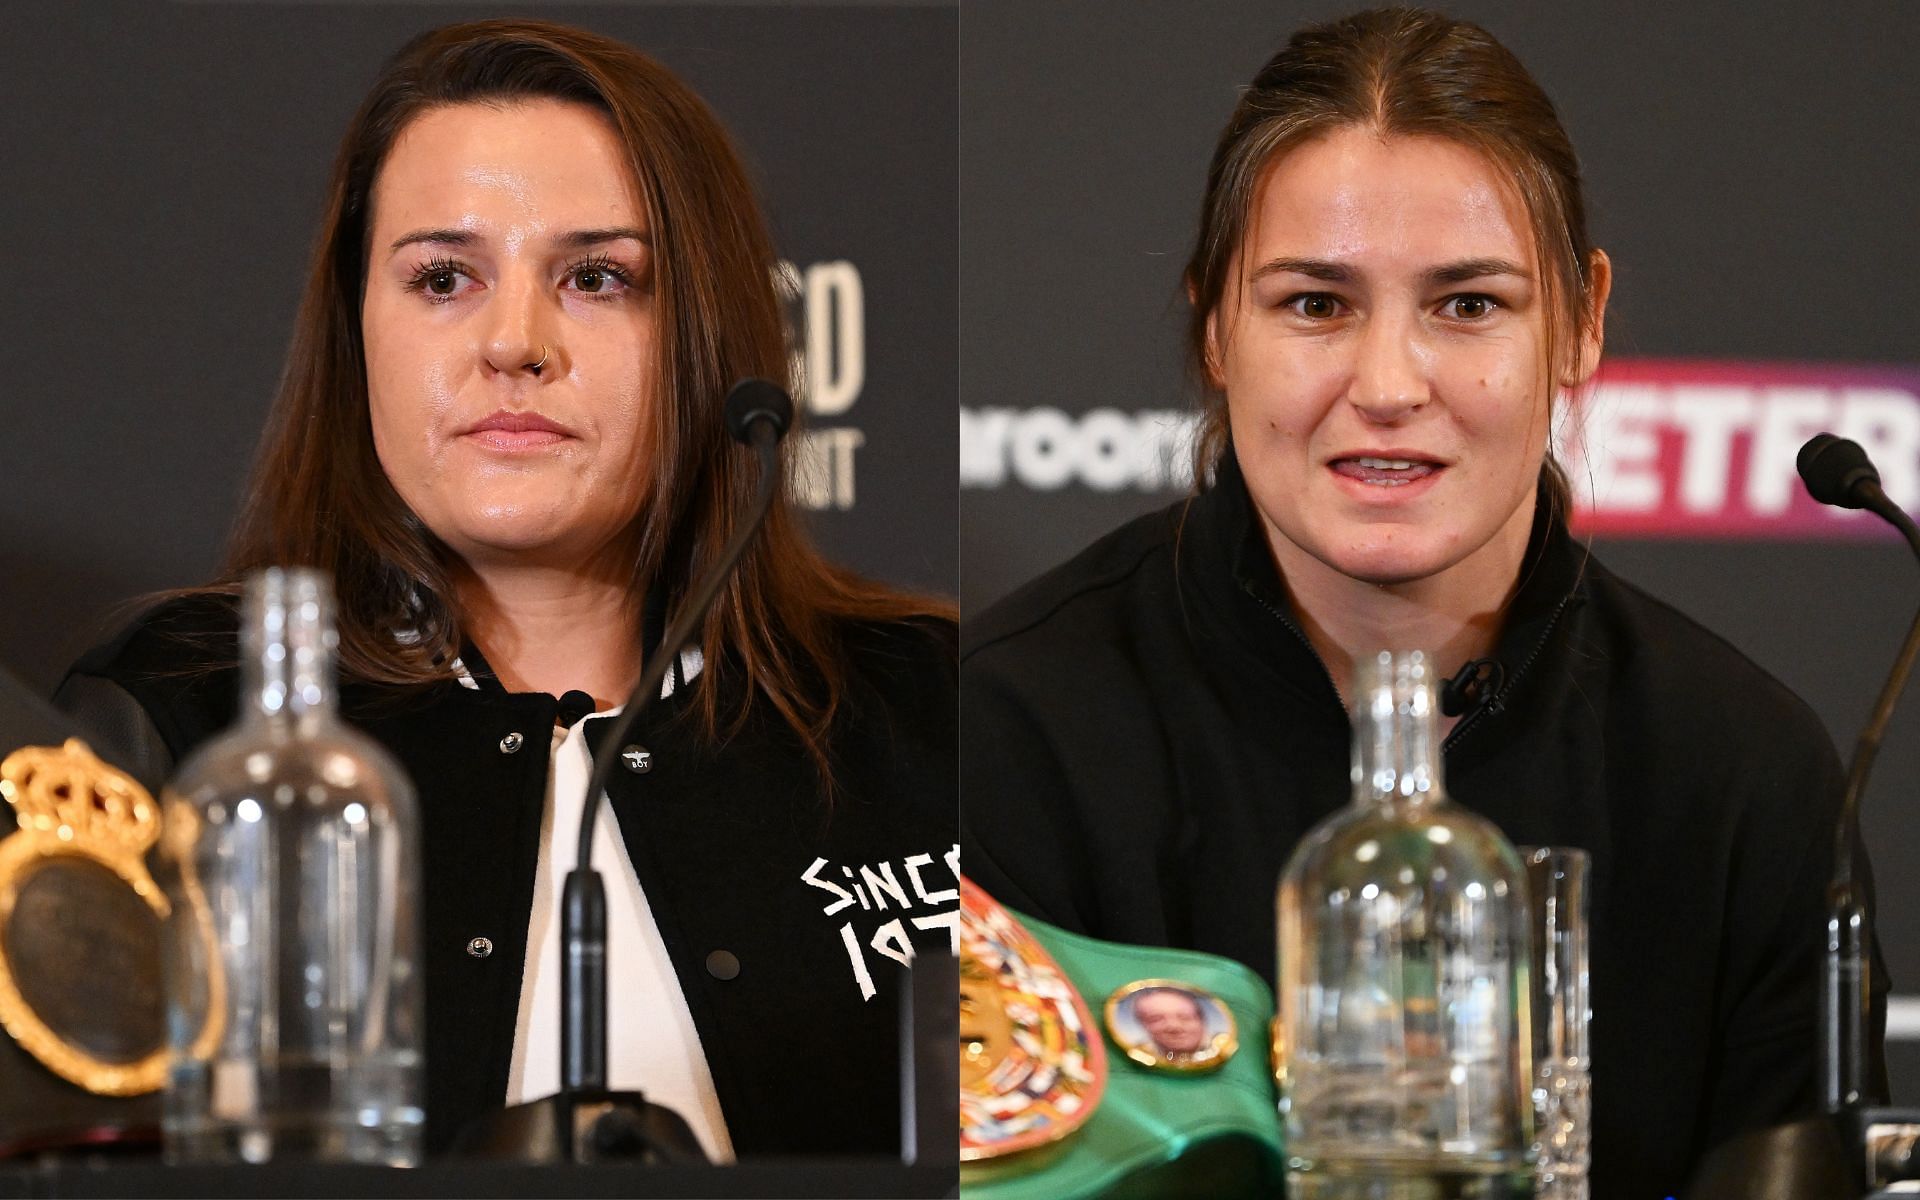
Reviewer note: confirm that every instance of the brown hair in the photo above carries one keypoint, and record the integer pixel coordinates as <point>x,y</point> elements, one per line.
<point>1408,72</point>
<point>318,495</point>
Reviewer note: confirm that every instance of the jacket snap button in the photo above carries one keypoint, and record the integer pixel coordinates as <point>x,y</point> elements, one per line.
<point>480,947</point>
<point>722,965</point>
<point>511,743</point>
<point>639,759</point>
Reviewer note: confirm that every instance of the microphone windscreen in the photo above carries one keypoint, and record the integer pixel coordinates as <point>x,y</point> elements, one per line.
<point>753,400</point>
<point>1833,468</point>
<point>573,706</point>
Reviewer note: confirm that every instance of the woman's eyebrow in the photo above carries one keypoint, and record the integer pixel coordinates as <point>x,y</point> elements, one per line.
<point>1314,268</point>
<point>593,237</point>
<point>1334,272</point>
<point>570,240</point>
<point>1476,268</point>
<point>450,237</point>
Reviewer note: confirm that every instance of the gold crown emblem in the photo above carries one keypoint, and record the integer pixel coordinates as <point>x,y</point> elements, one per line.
<point>69,794</point>
<point>69,804</point>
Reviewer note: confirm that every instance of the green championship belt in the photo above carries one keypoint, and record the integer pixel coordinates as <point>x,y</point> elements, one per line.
<point>1151,1093</point>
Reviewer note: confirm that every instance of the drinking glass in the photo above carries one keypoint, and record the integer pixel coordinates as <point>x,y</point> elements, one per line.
<point>1562,1088</point>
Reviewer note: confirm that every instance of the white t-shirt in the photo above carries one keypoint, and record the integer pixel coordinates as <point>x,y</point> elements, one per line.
<point>652,1045</point>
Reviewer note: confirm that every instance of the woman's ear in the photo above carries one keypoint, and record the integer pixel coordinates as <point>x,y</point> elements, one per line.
<point>1210,351</point>
<point>1593,337</point>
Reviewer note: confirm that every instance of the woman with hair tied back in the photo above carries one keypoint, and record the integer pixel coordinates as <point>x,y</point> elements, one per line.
<point>500,430</point>
<point>1391,284</point>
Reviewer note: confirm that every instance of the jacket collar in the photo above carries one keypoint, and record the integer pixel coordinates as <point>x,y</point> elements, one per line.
<point>472,671</point>
<point>1225,559</point>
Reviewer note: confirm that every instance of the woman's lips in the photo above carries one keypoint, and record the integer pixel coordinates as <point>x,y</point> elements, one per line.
<point>500,439</point>
<point>510,431</point>
<point>1382,474</point>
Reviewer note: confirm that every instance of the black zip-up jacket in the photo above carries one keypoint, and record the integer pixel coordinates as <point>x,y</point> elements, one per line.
<point>743,860</point>
<point>1150,735</point>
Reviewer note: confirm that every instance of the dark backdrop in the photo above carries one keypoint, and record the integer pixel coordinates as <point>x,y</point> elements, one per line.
<point>1751,169</point>
<point>164,166</point>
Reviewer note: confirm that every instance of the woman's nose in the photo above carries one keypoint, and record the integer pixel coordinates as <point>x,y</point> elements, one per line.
<point>1390,372</point>
<point>519,337</point>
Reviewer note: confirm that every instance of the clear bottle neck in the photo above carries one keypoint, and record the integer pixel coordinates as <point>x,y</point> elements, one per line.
<point>287,646</point>
<point>1395,722</point>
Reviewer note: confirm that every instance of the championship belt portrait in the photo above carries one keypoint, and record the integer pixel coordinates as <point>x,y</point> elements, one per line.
<point>1050,1111</point>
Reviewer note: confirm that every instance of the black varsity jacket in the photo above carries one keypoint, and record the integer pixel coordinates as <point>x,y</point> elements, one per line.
<point>785,914</point>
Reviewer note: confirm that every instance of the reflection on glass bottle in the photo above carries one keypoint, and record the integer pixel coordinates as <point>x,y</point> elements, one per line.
<point>1403,987</point>
<point>290,853</point>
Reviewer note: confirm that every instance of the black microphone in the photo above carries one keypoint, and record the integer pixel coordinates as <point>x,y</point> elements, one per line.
<point>585,1121</point>
<point>1472,687</point>
<point>1838,472</point>
<point>573,706</point>
<point>757,413</point>
<point>755,409</point>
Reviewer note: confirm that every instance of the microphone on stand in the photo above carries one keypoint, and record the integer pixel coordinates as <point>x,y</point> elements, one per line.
<point>574,706</point>
<point>585,1122</point>
<point>1837,472</point>
<point>758,414</point>
<point>1879,1142</point>
<point>1854,1148</point>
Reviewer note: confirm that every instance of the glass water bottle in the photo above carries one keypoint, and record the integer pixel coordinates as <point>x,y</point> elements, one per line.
<point>1402,1050</point>
<point>290,858</point>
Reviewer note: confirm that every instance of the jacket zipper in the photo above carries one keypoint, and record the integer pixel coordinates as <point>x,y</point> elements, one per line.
<point>1281,616</point>
<point>1494,704</point>
<point>1498,701</point>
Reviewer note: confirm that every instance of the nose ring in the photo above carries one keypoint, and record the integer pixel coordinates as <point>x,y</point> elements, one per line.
<point>535,366</point>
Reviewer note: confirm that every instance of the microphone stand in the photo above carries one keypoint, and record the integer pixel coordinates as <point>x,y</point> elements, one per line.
<point>1838,472</point>
<point>1846,992</point>
<point>585,1121</point>
<point>1882,1141</point>
<point>1855,1148</point>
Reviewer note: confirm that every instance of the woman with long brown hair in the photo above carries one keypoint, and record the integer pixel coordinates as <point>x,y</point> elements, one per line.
<point>540,269</point>
<point>1391,285</point>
